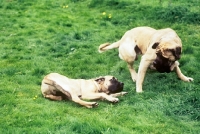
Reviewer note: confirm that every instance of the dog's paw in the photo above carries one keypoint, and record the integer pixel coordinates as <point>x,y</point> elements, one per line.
<point>189,79</point>
<point>123,93</point>
<point>95,104</point>
<point>139,91</point>
<point>114,100</point>
<point>92,105</point>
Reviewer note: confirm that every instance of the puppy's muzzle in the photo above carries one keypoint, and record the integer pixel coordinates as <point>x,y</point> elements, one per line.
<point>116,87</point>
<point>162,64</point>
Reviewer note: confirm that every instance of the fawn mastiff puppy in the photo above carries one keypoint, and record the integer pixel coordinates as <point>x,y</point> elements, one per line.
<point>58,87</point>
<point>160,49</point>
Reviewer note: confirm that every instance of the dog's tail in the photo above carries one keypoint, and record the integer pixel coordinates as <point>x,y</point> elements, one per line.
<point>108,46</point>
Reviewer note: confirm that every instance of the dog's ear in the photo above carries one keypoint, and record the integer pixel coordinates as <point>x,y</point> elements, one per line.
<point>100,80</point>
<point>155,45</point>
<point>176,52</point>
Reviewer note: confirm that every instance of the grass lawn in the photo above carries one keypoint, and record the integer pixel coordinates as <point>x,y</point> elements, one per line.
<point>43,36</point>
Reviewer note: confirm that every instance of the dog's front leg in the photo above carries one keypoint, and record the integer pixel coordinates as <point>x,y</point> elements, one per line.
<point>84,103</point>
<point>180,74</point>
<point>96,96</point>
<point>144,64</point>
<point>118,94</point>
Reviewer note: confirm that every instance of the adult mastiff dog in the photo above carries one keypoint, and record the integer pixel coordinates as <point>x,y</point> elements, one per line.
<point>160,49</point>
<point>58,87</point>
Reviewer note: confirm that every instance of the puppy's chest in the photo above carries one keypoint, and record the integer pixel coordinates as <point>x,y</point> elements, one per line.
<point>88,87</point>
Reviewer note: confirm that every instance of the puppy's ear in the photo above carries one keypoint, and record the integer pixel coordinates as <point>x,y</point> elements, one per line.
<point>100,80</point>
<point>176,52</point>
<point>155,45</point>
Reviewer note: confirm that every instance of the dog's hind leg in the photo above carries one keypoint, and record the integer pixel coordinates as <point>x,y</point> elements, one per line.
<point>132,71</point>
<point>128,52</point>
<point>53,97</point>
<point>181,75</point>
<point>49,92</point>
<point>53,91</point>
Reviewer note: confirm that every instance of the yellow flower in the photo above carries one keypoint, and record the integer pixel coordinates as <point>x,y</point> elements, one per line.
<point>65,6</point>
<point>104,13</point>
<point>35,97</point>
<point>109,16</point>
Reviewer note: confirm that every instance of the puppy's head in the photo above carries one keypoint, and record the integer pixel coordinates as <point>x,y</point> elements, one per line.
<point>167,53</point>
<point>110,84</point>
<point>162,64</point>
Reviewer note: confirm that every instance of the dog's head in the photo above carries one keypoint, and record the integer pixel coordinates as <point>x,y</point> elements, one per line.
<point>167,53</point>
<point>110,84</point>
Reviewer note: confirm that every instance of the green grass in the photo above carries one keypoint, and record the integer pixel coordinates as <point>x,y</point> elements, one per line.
<point>42,36</point>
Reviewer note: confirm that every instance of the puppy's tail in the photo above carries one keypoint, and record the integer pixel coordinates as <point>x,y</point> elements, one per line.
<point>108,46</point>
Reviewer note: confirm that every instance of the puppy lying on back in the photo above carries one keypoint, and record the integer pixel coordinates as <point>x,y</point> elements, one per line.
<point>58,87</point>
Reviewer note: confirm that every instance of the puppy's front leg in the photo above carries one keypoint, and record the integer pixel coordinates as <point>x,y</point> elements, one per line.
<point>84,103</point>
<point>144,64</point>
<point>180,74</point>
<point>118,94</point>
<point>95,96</point>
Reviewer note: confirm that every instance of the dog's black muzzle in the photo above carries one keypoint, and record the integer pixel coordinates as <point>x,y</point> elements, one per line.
<point>115,86</point>
<point>162,64</point>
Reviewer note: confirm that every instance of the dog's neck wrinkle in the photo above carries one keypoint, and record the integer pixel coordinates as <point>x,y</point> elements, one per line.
<point>99,86</point>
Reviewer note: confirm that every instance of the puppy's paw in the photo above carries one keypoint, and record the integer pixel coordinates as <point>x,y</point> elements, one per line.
<point>123,93</point>
<point>114,100</point>
<point>92,105</point>
<point>139,91</point>
<point>95,104</point>
<point>189,79</point>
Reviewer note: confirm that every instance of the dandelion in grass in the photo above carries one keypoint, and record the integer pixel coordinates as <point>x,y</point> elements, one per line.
<point>104,13</point>
<point>109,16</point>
<point>65,6</point>
<point>35,97</point>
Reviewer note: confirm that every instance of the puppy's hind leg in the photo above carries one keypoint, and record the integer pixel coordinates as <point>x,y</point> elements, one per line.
<point>53,97</point>
<point>52,91</point>
<point>49,92</point>
<point>132,71</point>
<point>128,51</point>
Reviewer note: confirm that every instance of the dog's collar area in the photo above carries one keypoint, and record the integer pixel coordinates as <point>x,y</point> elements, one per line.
<point>99,86</point>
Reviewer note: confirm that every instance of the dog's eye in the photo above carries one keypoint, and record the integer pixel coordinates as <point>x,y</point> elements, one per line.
<point>113,79</point>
